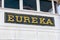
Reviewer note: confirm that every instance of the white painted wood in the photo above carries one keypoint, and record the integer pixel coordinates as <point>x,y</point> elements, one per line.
<point>21,4</point>
<point>2,3</point>
<point>53,7</point>
<point>38,5</point>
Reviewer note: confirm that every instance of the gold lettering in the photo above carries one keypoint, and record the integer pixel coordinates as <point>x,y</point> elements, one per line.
<point>19,18</point>
<point>42,21</point>
<point>11,18</point>
<point>26,19</point>
<point>49,22</point>
<point>34,20</point>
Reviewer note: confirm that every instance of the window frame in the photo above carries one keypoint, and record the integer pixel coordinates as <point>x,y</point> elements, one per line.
<point>21,4</point>
<point>37,5</point>
<point>2,3</point>
<point>53,6</point>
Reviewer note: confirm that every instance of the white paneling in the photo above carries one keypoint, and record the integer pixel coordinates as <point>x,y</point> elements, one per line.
<point>1,17</point>
<point>7,34</point>
<point>29,32</point>
<point>47,36</point>
<point>26,35</point>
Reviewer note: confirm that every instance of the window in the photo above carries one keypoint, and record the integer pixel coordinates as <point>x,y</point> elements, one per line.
<point>46,5</point>
<point>29,4</point>
<point>11,4</point>
<point>0,3</point>
<point>38,5</point>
